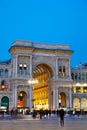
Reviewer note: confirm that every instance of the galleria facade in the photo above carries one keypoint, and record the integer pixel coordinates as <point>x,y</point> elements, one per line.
<point>49,65</point>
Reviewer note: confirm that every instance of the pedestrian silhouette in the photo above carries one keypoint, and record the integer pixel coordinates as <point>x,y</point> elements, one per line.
<point>61,115</point>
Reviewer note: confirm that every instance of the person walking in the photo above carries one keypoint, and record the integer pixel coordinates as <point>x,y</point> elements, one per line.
<point>61,115</point>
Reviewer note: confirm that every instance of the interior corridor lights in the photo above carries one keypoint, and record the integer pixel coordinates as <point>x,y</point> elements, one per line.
<point>81,84</point>
<point>32,81</point>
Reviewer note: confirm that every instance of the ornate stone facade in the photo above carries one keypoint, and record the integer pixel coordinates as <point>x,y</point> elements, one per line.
<point>79,88</point>
<point>47,63</point>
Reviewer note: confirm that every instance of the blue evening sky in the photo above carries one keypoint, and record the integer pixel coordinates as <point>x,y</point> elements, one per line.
<point>46,21</point>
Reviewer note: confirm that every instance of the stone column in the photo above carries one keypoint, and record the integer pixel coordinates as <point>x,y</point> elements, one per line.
<point>70,97</point>
<point>30,66</point>
<point>15,65</point>
<point>80,104</point>
<point>69,69</point>
<point>30,89</point>
<point>50,94</point>
<point>56,68</point>
<point>30,97</point>
<point>55,99</point>
<point>15,96</point>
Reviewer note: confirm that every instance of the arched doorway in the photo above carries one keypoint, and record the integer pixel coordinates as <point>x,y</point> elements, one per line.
<point>22,99</point>
<point>84,103</point>
<point>42,73</point>
<point>5,103</point>
<point>76,103</point>
<point>62,100</point>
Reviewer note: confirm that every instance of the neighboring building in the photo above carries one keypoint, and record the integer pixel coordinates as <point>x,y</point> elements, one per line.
<point>79,76</point>
<point>5,88</point>
<point>49,64</point>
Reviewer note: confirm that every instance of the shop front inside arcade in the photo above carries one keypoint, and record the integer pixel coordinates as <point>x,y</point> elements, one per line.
<point>4,104</point>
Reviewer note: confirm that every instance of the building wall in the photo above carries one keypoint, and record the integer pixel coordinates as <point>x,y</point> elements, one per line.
<point>79,88</point>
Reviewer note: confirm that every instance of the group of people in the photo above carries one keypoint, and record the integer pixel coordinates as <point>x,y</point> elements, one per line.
<point>60,113</point>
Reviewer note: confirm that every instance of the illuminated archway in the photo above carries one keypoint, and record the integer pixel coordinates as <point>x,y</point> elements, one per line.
<point>5,102</point>
<point>76,103</point>
<point>62,100</point>
<point>22,99</point>
<point>42,73</point>
<point>84,103</point>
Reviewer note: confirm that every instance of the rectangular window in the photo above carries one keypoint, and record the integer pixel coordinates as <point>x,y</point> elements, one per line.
<point>62,71</point>
<point>25,70</point>
<point>20,69</point>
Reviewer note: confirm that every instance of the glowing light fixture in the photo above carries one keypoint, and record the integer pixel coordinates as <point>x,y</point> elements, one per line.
<point>3,86</point>
<point>84,84</point>
<point>77,84</point>
<point>32,81</point>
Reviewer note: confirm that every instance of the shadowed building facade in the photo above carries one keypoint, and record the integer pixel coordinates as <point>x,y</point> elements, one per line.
<point>49,64</point>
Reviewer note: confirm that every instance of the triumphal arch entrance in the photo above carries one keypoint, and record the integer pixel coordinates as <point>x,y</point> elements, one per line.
<point>49,65</point>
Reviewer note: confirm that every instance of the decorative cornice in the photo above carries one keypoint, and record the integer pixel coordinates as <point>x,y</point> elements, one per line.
<point>42,49</point>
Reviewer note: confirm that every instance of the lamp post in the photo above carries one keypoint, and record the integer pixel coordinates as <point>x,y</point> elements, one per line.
<point>31,82</point>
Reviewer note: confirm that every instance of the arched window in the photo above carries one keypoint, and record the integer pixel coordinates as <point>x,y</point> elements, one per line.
<point>86,76</point>
<point>83,76</point>
<point>76,103</point>
<point>3,85</point>
<point>79,76</point>
<point>1,72</point>
<point>75,76</point>
<point>72,75</point>
<point>6,72</point>
<point>3,82</point>
<point>84,103</point>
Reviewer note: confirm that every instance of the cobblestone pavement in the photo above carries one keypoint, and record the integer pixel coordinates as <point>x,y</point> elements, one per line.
<point>52,123</point>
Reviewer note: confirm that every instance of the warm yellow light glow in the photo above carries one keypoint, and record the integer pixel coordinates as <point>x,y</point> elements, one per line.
<point>21,94</point>
<point>84,84</point>
<point>74,89</point>
<point>32,81</point>
<point>78,84</point>
<point>81,89</point>
<point>3,86</point>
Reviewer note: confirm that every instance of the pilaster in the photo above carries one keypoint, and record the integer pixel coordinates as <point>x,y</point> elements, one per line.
<point>15,65</point>
<point>30,89</point>
<point>30,97</point>
<point>55,99</point>
<point>31,66</point>
<point>56,67</point>
<point>15,95</point>
<point>70,97</point>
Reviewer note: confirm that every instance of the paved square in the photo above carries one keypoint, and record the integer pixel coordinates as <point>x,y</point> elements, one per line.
<point>44,124</point>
